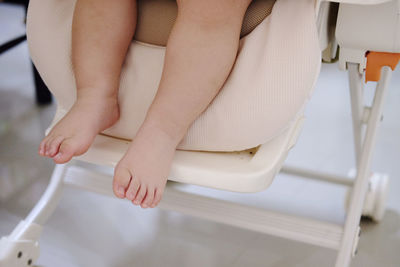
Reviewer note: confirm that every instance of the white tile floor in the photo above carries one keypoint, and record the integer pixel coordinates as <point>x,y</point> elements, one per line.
<point>93,230</point>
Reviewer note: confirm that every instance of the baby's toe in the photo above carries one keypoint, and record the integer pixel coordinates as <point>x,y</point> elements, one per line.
<point>149,197</point>
<point>47,146</point>
<point>133,188</point>
<point>140,195</point>
<point>157,197</point>
<point>122,177</point>
<point>42,145</point>
<point>67,150</point>
<point>54,145</point>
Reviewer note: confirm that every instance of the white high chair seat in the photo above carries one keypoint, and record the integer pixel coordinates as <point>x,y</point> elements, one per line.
<point>261,103</point>
<point>265,91</point>
<point>281,41</point>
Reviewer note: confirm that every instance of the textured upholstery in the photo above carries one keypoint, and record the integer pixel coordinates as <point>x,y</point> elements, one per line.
<point>273,76</point>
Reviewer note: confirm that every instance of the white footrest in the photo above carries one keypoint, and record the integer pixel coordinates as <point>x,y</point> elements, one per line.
<point>250,170</point>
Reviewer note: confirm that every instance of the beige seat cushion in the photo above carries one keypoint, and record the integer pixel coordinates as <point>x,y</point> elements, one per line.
<point>156,18</point>
<point>274,74</point>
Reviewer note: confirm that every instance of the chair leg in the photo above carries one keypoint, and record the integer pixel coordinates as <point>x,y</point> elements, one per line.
<point>21,247</point>
<point>351,227</point>
<point>11,44</point>
<point>356,85</point>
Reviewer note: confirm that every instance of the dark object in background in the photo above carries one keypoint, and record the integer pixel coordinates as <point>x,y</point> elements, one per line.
<point>43,95</point>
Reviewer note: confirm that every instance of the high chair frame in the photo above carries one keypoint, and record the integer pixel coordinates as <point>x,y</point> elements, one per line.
<point>260,165</point>
<point>343,238</point>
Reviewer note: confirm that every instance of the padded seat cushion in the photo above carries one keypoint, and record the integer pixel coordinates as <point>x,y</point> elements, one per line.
<point>156,18</point>
<point>272,79</point>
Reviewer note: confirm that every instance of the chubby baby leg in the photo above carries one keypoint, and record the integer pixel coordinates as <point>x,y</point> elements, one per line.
<point>200,53</point>
<point>101,33</point>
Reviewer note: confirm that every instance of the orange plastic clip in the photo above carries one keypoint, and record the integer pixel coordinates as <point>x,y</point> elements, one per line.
<point>376,60</point>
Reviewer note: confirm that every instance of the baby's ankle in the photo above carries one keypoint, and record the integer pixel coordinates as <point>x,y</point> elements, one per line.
<point>84,93</point>
<point>96,99</point>
<point>172,135</point>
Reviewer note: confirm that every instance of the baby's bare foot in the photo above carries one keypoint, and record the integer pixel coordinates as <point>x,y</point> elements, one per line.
<point>74,133</point>
<point>142,173</point>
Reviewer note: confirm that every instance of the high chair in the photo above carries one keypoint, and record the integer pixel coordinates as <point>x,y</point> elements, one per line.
<point>228,147</point>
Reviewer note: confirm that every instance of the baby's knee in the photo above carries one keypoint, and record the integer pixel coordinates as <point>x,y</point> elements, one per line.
<point>213,11</point>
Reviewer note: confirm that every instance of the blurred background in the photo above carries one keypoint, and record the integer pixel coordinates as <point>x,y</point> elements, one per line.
<point>93,230</point>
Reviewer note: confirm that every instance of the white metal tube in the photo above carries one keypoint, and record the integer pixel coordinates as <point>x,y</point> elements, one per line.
<point>49,200</point>
<point>357,106</point>
<point>274,223</point>
<point>292,227</point>
<point>363,168</point>
<point>315,175</point>
<point>46,205</point>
